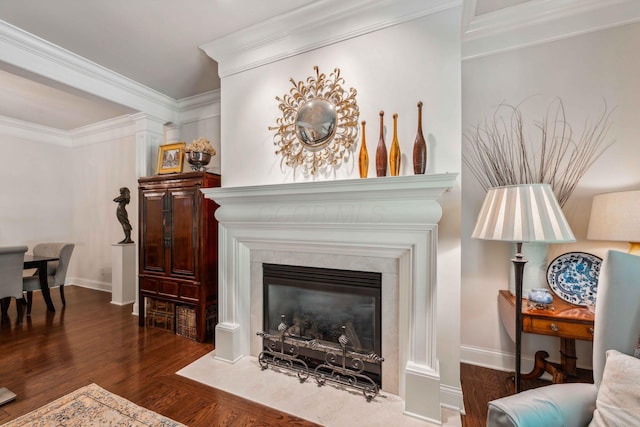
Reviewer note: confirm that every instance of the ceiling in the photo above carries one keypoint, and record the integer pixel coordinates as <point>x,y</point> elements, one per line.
<point>153,42</point>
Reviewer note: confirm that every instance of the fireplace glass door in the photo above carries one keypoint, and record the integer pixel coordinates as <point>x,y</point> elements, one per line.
<point>317,303</point>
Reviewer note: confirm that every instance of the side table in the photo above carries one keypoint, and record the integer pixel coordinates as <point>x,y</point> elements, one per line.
<point>567,321</point>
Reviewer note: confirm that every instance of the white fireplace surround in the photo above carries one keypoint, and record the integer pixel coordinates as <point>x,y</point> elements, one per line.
<point>387,224</point>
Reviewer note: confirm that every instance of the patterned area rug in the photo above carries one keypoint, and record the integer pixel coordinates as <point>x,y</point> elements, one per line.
<point>92,406</point>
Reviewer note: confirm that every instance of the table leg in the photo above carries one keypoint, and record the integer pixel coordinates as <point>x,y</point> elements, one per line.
<point>559,372</point>
<point>539,366</point>
<point>568,356</point>
<point>20,303</point>
<point>4,306</point>
<point>141,303</point>
<point>44,284</point>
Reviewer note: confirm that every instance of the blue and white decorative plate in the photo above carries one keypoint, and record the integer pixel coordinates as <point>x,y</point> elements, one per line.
<point>574,276</point>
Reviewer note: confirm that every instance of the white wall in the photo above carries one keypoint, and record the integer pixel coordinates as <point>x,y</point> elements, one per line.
<point>55,191</point>
<point>392,69</point>
<point>582,70</point>
<point>35,186</point>
<point>99,170</point>
<point>207,127</point>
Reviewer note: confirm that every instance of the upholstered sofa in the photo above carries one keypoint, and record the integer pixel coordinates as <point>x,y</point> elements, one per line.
<point>614,398</point>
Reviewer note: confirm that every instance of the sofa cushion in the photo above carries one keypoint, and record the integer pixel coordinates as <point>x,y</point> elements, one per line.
<point>618,400</point>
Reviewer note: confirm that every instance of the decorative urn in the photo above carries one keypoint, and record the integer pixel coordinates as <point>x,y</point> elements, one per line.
<point>199,154</point>
<point>198,160</point>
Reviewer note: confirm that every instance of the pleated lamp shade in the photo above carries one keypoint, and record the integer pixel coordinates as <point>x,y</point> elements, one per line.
<point>522,213</point>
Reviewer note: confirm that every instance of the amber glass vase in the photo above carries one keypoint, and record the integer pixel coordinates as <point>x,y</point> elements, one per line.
<point>381,150</point>
<point>419,147</point>
<point>363,158</point>
<point>394,152</point>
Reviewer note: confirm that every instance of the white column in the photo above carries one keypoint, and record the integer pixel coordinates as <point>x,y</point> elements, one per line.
<point>149,136</point>
<point>123,268</point>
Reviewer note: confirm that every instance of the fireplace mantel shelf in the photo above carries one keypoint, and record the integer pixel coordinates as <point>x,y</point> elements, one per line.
<point>429,186</point>
<point>385,200</point>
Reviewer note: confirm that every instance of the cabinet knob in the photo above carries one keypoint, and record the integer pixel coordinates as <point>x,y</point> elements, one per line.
<point>591,331</point>
<point>554,327</point>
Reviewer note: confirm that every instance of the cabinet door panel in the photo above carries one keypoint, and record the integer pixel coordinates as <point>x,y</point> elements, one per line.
<point>153,244</point>
<point>184,212</point>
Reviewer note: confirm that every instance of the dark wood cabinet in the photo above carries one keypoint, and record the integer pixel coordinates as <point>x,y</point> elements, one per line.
<point>179,243</point>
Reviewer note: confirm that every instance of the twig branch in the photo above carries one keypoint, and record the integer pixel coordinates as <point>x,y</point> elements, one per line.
<point>499,153</point>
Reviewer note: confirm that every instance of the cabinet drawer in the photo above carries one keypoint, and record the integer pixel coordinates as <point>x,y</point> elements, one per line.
<point>558,328</point>
<point>189,292</point>
<point>167,288</point>
<point>150,285</point>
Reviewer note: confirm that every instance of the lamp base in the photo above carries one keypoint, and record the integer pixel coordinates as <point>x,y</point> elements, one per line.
<point>535,275</point>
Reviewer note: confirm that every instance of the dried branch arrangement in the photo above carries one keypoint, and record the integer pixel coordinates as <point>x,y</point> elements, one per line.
<point>500,152</point>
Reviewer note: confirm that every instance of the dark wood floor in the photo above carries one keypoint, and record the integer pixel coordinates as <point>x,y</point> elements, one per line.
<point>93,341</point>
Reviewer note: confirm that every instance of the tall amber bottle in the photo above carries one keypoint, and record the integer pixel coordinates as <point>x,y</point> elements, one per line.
<point>363,159</point>
<point>381,151</point>
<point>394,152</point>
<point>419,147</point>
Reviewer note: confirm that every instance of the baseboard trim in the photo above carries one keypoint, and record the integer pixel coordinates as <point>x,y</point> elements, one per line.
<point>90,284</point>
<point>501,361</point>
<point>451,398</point>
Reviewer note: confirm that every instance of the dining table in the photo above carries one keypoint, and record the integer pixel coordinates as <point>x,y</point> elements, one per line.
<point>40,262</point>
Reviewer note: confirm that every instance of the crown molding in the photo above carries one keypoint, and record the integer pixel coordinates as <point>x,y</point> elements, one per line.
<point>106,130</point>
<point>34,54</point>
<point>198,107</point>
<point>314,26</point>
<point>468,13</point>
<point>204,99</point>
<point>191,109</point>
<point>540,21</point>
<point>33,132</point>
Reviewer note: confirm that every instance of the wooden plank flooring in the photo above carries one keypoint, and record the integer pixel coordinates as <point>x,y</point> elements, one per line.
<point>93,341</point>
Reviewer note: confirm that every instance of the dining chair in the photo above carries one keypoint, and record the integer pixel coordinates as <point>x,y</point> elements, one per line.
<point>56,270</point>
<point>11,264</point>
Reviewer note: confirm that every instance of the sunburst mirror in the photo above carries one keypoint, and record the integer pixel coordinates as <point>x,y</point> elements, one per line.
<point>319,123</point>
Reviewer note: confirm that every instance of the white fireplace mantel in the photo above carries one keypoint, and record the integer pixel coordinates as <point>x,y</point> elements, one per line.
<point>392,218</point>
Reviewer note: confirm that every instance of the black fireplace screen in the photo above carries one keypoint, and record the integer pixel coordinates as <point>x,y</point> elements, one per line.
<point>317,302</point>
<point>320,305</point>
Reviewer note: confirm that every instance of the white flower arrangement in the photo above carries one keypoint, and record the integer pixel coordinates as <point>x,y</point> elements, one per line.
<point>201,145</point>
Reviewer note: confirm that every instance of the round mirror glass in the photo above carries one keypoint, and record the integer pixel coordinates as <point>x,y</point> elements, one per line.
<point>316,123</point>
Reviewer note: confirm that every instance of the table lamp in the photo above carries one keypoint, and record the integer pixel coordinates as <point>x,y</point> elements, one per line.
<point>616,217</point>
<point>521,213</point>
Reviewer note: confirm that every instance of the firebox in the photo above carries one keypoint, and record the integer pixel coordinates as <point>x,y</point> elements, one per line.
<point>321,304</point>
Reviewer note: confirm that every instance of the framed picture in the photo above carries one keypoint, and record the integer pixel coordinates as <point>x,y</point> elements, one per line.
<point>170,158</point>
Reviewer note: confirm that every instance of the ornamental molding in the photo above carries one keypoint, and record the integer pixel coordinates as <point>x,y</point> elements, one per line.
<point>319,24</point>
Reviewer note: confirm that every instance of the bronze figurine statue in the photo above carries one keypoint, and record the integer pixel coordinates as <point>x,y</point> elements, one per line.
<point>121,213</point>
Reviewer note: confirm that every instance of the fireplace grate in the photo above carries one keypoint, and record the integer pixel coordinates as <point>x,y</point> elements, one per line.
<point>282,351</point>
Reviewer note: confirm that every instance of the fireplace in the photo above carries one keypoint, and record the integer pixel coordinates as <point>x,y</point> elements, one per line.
<point>321,304</point>
<point>383,225</point>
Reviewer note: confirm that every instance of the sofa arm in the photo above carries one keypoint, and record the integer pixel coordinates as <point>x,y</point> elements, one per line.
<point>562,405</point>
